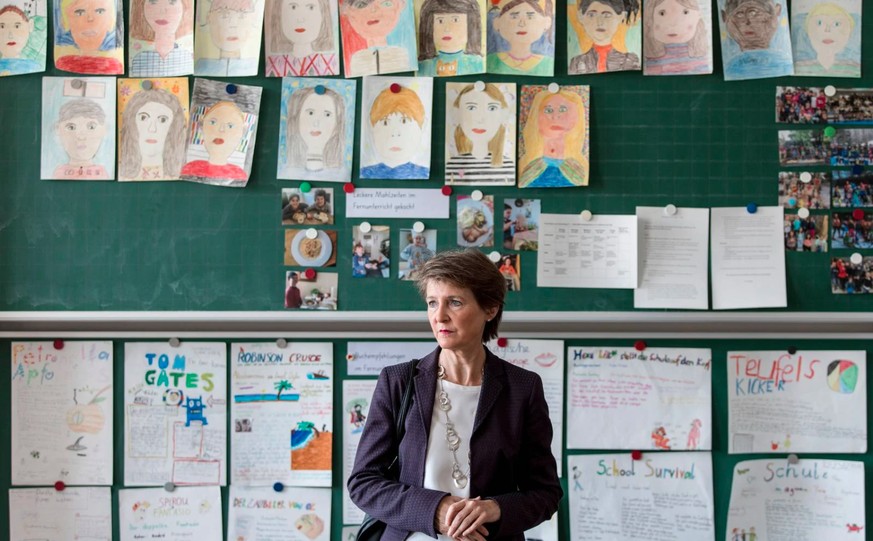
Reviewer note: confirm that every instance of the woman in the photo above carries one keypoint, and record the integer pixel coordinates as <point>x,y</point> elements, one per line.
<point>160,26</point>
<point>152,139</point>
<point>450,38</point>
<point>522,24</point>
<point>301,38</point>
<point>316,130</point>
<point>498,477</point>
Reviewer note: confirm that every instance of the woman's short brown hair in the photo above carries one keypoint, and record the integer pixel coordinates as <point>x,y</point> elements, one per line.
<point>470,269</point>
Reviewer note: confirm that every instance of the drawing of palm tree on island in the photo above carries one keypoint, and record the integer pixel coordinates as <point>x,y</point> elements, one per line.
<point>280,386</point>
<point>310,447</point>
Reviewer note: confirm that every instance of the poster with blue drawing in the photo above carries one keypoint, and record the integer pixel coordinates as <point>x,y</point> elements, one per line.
<point>175,413</point>
<point>357,397</point>
<point>281,414</point>
<point>826,37</point>
<point>755,41</point>
<point>806,402</point>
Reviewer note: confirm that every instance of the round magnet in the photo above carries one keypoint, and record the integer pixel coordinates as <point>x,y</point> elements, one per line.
<point>175,342</point>
<point>792,350</point>
<point>365,227</point>
<point>146,85</point>
<point>792,202</point>
<point>231,88</point>
<point>830,91</point>
<point>311,233</point>
<point>793,459</point>
<point>805,177</point>
<point>319,89</point>
<point>554,87</point>
<point>310,274</point>
<point>305,187</point>
<point>752,208</point>
<point>670,210</point>
<point>640,345</point>
<point>348,187</point>
<point>477,195</point>
<point>829,131</point>
<point>59,486</point>
<point>350,356</point>
<point>803,213</point>
<point>58,344</point>
<point>169,486</point>
<point>637,455</point>
<point>494,256</point>
<point>479,85</point>
<point>418,227</point>
<point>278,487</point>
<point>395,88</point>
<point>856,259</point>
<point>281,343</point>
<point>586,215</point>
<point>77,83</point>
<point>502,342</point>
<point>446,190</point>
<point>858,214</point>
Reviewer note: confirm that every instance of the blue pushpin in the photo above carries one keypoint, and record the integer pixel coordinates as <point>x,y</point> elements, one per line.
<point>278,487</point>
<point>857,170</point>
<point>797,224</point>
<point>792,202</point>
<point>752,208</point>
<point>319,89</point>
<point>146,85</point>
<point>231,89</point>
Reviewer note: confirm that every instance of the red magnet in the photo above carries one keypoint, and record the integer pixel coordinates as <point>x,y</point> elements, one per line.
<point>59,486</point>
<point>858,214</point>
<point>639,345</point>
<point>637,455</point>
<point>395,88</point>
<point>502,342</point>
<point>309,274</point>
<point>348,187</point>
<point>59,344</point>
<point>447,190</point>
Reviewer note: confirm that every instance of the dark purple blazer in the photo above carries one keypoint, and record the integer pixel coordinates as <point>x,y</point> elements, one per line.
<point>511,456</point>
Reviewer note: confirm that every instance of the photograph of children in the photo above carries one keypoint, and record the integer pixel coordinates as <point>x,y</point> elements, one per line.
<point>851,232</point>
<point>415,250</point>
<point>851,105</point>
<point>806,234</point>
<point>852,147</point>
<point>853,190</point>
<point>794,193</point>
<point>801,105</point>
<point>802,147</point>
<point>475,221</point>
<point>510,267</point>
<point>371,252</point>
<point>303,251</point>
<point>309,208</point>
<point>849,278</point>
<point>319,293</point>
<point>521,218</point>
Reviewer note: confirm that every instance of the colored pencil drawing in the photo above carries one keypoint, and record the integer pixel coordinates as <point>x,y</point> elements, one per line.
<point>22,37</point>
<point>161,38</point>
<point>152,127</point>
<point>521,37</point>
<point>221,136</point>
<point>603,36</point>
<point>755,41</point>
<point>553,147</point>
<point>676,37</point>
<point>378,36</point>
<point>89,36</point>
<point>316,129</point>
<point>480,133</point>
<point>826,37</point>
<point>451,37</point>
<point>396,127</point>
<point>227,40</point>
<point>78,114</point>
<point>301,38</point>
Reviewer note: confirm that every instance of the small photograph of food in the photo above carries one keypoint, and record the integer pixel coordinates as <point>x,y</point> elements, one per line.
<point>475,221</point>
<point>310,247</point>
<point>307,208</point>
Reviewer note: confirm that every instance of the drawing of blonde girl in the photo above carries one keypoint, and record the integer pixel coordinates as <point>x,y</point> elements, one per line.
<point>830,32</point>
<point>520,28</point>
<point>555,142</point>
<point>450,38</point>
<point>481,157</point>
<point>301,38</point>
<point>675,38</point>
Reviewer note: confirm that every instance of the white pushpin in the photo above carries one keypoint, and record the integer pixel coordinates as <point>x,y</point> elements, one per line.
<point>856,259</point>
<point>793,459</point>
<point>311,233</point>
<point>806,177</point>
<point>365,227</point>
<point>830,91</point>
<point>281,343</point>
<point>554,87</point>
<point>479,86</point>
<point>418,227</point>
<point>803,213</point>
<point>494,256</point>
<point>175,342</point>
<point>670,210</point>
<point>586,215</point>
<point>477,195</point>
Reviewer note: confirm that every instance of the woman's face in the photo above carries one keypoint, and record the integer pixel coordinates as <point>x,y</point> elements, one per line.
<point>163,16</point>
<point>374,20</point>
<point>450,32</point>
<point>14,32</point>
<point>301,20</point>
<point>397,138</point>
<point>90,21</point>
<point>600,22</point>
<point>481,115</point>
<point>81,137</point>
<point>557,117</point>
<point>317,122</point>
<point>222,131</point>
<point>456,319</point>
<point>674,23</point>
<point>153,122</point>
<point>522,25</point>
<point>829,33</point>
<point>230,29</point>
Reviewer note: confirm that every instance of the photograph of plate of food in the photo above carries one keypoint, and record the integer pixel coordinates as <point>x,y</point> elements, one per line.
<point>475,222</point>
<point>300,250</point>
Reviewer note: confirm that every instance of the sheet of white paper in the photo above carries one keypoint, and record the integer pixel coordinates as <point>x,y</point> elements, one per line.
<point>659,398</point>
<point>45,514</point>
<point>807,501</point>
<point>673,259</point>
<point>262,514</point>
<point>546,358</point>
<point>394,203</point>
<point>175,413</point>
<point>357,395</point>
<point>62,413</point>
<point>546,531</point>
<point>282,413</point>
<point>662,496</point>
<point>600,253</point>
<point>809,402</point>
<point>748,258</point>
<point>369,358</point>
<point>182,515</point>
<point>350,533</point>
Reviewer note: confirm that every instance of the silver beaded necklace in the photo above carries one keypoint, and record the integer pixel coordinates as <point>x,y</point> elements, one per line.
<point>459,478</point>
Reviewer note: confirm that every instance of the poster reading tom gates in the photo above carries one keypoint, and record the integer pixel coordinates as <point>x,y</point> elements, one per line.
<point>809,402</point>
<point>658,398</point>
<point>811,500</point>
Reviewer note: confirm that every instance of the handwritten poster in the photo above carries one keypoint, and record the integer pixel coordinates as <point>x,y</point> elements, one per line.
<point>62,413</point>
<point>182,515</point>
<point>357,396</point>
<point>262,514</point>
<point>546,358</point>
<point>415,203</point>
<point>659,398</point>
<point>661,496</point>
<point>281,413</point>
<point>175,413</point>
<point>773,500</point>
<point>812,401</point>
<point>369,358</point>
<point>46,514</point>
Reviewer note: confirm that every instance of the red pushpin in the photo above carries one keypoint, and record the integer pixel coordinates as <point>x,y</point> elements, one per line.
<point>395,88</point>
<point>858,214</point>
<point>309,274</point>
<point>58,344</point>
<point>502,342</point>
<point>447,190</point>
<point>348,187</point>
<point>637,455</point>
<point>59,486</point>
<point>639,345</point>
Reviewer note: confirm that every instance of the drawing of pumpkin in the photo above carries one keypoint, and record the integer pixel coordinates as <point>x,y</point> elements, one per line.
<point>87,418</point>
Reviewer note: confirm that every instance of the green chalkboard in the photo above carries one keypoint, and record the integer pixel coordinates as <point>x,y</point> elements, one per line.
<point>82,246</point>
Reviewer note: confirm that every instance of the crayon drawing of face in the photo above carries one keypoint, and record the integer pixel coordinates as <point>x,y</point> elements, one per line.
<point>829,28</point>
<point>223,129</point>
<point>310,525</point>
<point>153,121</point>
<point>15,30</point>
<point>397,121</point>
<point>481,116</point>
<point>153,130</point>
<point>163,16</point>
<point>752,23</point>
<point>600,22</point>
<point>558,117</point>
<point>374,19</point>
<point>450,32</point>
<point>674,22</point>
<point>522,25</point>
<point>89,21</point>
<point>81,126</point>
<point>302,20</point>
<point>317,122</point>
<point>316,129</point>
<point>230,23</point>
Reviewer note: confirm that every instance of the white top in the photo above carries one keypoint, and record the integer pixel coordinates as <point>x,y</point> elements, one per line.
<point>438,462</point>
